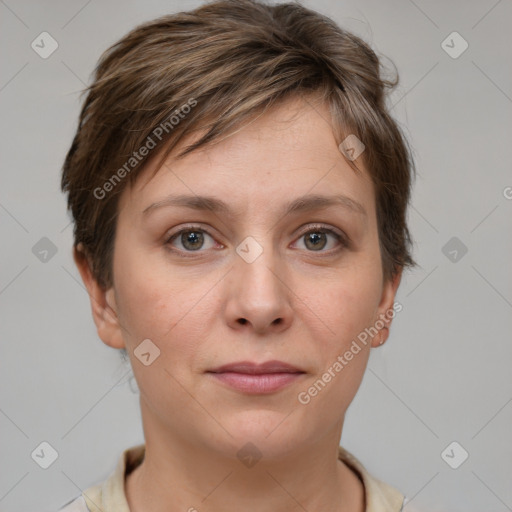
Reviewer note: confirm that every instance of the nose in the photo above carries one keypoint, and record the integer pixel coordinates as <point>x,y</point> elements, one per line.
<point>258,298</point>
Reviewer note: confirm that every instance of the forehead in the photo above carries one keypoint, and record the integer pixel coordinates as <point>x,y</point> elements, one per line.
<point>286,152</point>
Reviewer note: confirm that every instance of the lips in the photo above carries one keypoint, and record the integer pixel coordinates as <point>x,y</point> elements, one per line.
<point>250,368</point>
<point>252,378</point>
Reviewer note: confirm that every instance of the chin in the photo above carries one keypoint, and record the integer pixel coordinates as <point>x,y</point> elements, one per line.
<point>273,433</point>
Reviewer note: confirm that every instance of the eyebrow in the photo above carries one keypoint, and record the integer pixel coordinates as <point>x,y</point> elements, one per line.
<point>304,203</point>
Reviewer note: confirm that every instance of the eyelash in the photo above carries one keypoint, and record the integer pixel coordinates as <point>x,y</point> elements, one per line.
<point>315,228</point>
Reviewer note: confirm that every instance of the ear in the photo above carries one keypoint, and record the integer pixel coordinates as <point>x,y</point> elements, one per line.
<point>385,310</point>
<point>103,303</point>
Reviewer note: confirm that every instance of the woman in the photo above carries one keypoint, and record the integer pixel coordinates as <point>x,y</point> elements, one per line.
<point>239,193</point>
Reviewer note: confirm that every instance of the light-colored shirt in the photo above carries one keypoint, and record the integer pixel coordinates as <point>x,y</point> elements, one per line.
<point>109,496</point>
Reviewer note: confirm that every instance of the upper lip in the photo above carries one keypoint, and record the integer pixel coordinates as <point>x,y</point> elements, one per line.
<point>257,369</point>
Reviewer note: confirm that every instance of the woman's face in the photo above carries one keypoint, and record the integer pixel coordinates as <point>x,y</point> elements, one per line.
<point>241,278</point>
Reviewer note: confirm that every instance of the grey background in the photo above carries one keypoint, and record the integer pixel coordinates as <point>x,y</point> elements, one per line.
<point>443,376</point>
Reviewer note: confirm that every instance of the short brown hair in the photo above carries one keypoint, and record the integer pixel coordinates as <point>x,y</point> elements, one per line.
<point>211,69</point>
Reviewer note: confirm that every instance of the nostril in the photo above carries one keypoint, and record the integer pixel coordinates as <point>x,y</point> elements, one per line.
<point>242,321</point>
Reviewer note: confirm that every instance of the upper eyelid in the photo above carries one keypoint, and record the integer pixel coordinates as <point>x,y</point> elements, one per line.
<point>191,227</point>
<point>317,225</point>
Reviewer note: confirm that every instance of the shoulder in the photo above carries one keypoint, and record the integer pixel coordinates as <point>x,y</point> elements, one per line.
<point>108,495</point>
<point>380,497</point>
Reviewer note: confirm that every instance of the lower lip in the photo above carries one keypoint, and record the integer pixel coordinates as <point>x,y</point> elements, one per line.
<point>263,383</point>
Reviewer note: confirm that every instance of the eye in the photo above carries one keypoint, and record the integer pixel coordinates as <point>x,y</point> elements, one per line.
<point>317,238</point>
<point>191,239</point>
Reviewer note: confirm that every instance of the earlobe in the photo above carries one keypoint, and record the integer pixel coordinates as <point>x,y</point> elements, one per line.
<point>386,310</point>
<point>383,335</point>
<point>103,303</point>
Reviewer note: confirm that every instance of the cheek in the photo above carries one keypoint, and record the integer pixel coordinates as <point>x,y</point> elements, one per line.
<point>161,305</point>
<point>347,308</point>
<point>152,303</point>
<point>346,305</point>
<point>162,308</point>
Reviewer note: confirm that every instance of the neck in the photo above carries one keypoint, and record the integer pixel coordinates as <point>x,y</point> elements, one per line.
<point>178,476</point>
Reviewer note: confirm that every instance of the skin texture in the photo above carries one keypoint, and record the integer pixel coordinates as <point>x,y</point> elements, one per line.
<point>297,303</point>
